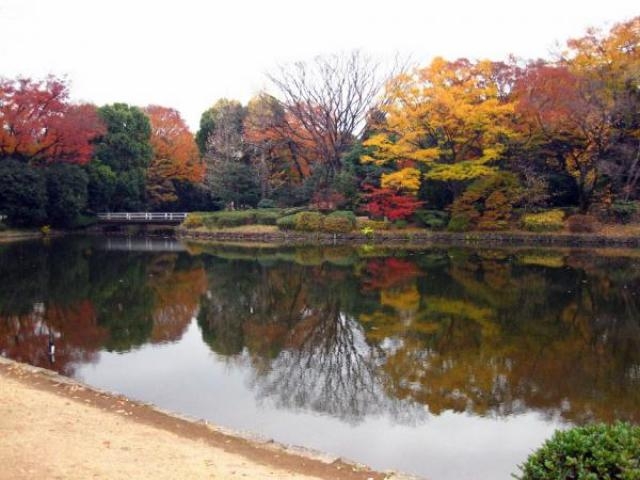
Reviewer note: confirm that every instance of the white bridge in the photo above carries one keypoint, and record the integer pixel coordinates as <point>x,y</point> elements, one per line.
<point>160,218</point>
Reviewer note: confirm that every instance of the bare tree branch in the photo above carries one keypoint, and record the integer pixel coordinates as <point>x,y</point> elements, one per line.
<point>327,101</point>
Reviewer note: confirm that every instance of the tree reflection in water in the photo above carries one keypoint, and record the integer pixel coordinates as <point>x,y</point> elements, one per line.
<point>84,299</point>
<point>491,333</point>
<point>351,333</point>
<point>305,350</point>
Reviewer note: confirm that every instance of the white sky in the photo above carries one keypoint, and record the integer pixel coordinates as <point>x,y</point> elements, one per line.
<point>186,54</point>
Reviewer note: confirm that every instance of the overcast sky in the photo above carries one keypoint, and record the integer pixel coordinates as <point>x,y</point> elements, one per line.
<point>186,54</point>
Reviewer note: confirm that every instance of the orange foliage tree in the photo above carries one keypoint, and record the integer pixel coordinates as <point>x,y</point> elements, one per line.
<point>175,155</point>
<point>280,160</point>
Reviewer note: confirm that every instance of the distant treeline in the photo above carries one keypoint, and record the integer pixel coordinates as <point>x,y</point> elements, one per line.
<point>463,144</point>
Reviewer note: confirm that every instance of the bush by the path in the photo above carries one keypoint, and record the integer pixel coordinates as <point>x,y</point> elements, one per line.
<point>549,221</point>
<point>602,452</point>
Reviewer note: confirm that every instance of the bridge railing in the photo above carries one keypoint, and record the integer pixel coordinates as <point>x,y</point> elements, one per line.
<point>176,217</point>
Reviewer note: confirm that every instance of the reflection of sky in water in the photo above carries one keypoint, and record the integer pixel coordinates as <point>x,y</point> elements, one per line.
<point>202,384</point>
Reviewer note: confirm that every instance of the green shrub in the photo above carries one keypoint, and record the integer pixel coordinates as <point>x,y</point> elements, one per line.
<point>459,223</point>
<point>193,220</point>
<point>3,227</point>
<point>624,211</point>
<point>598,452</point>
<point>432,219</point>
<point>309,221</point>
<point>582,223</point>
<point>235,218</point>
<point>287,222</point>
<point>337,224</point>
<point>400,224</point>
<point>348,214</point>
<point>548,221</point>
<point>340,221</point>
<point>210,221</point>
<point>266,203</point>
<point>267,216</point>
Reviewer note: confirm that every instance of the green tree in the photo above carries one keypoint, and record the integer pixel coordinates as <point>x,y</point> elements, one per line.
<point>125,148</point>
<point>67,193</point>
<point>234,182</point>
<point>23,194</point>
<point>230,176</point>
<point>102,185</point>
<point>221,127</point>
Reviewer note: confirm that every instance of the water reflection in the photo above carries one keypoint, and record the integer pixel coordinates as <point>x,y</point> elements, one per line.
<point>352,334</point>
<point>488,333</point>
<point>85,299</point>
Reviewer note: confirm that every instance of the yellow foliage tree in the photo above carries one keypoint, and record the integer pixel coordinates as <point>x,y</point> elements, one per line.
<point>453,117</point>
<point>407,180</point>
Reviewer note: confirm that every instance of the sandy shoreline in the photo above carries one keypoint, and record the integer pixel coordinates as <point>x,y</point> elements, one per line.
<point>54,427</point>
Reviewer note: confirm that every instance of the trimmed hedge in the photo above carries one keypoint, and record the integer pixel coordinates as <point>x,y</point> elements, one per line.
<point>304,221</point>
<point>340,221</point>
<point>550,221</point>
<point>309,221</point>
<point>268,216</point>
<point>349,215</point>
<point>287,222</point>
<point>235,218</point>
<point>193,220</point>
<point>603,452</point>
<point>337,224</point>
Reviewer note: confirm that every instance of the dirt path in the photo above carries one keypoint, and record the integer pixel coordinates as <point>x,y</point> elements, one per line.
<point>54,428</point>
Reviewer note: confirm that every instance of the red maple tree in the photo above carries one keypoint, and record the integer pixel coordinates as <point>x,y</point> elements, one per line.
<point>40,125</point>
<point>388,203</point>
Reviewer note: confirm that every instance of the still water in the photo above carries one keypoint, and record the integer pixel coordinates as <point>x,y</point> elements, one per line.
<point>445,363</point>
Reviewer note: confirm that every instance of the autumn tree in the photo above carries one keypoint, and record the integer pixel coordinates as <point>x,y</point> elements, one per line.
<point>389,204</point>
<point>486,204</point>
<point>608,65</point>
<point>452,116</point>
<point>581,110</point>
<point>563,123</point>
<point>327,101</point>
<point>450,119</point>
<point>40,125</point>
<point>175,155</point>
<point>280,164</point>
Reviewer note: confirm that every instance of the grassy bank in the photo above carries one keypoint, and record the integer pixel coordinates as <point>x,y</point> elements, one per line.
<point>621,236</point>
<point>10,235</point>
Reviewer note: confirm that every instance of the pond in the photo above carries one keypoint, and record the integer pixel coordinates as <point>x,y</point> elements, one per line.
<point>447,363</point>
